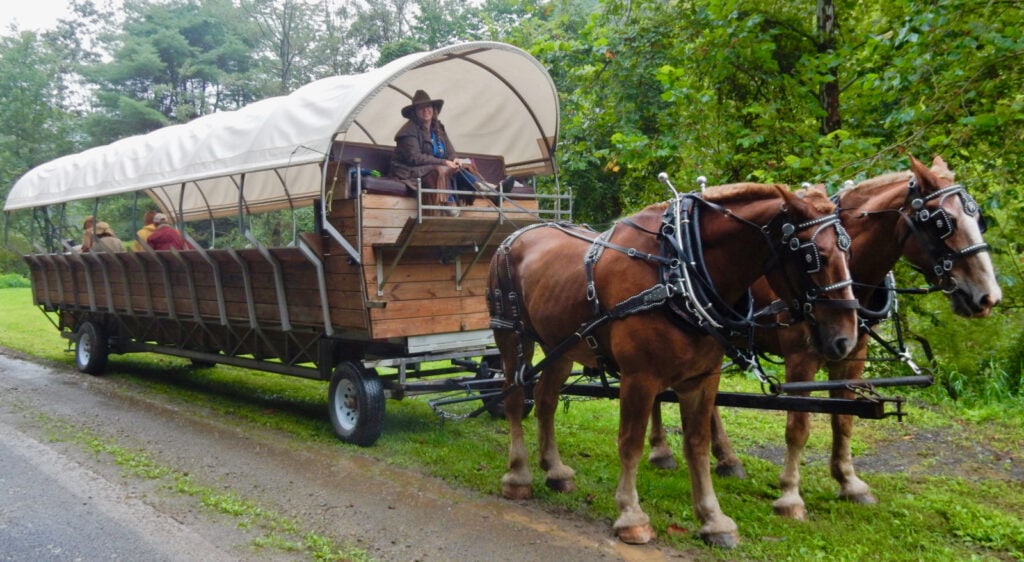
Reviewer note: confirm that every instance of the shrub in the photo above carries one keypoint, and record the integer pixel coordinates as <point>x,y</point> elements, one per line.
<point>11,262</point>
<point>13,280</point>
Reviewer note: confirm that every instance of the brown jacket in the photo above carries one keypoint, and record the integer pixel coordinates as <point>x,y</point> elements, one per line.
<point>414,152</point>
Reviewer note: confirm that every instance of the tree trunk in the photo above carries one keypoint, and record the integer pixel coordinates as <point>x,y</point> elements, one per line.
<point>829,91</point>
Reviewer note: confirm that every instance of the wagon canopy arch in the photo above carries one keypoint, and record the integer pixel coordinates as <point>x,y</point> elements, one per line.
<point>268,155</point>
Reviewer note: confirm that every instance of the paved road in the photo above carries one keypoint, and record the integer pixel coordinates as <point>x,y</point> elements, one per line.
<point>54,508</point>
<point>59,501</point>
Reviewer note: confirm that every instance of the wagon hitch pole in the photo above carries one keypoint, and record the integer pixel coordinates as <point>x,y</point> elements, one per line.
<point>812,386</point>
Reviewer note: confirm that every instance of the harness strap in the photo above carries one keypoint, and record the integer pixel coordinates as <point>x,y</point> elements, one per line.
<point>645,300</point>
<point>593,254</point>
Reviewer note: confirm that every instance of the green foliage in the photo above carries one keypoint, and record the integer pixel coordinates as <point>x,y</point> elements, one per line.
<point>170,62</point>
<point>35,124</point>
<point>12,264</point>
<point>13,280</point>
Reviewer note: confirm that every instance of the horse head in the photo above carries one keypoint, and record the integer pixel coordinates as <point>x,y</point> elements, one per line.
<point>943,230</point>
<point>806,264</point>
<point>814,278</point>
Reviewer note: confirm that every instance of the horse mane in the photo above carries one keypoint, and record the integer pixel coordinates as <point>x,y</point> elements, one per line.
<point>733,191</point>
<point>867,186</point>
<point>746,191</point>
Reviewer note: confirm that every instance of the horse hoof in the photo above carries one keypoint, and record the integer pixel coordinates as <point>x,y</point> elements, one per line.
<point>562,486</point>
<point>517,491</point>
<point>721,540</point>
<point>639,534</point>
<point>664,463</point>
<point>731,471</point>
<point>795,512</point>
<point>866,498</point>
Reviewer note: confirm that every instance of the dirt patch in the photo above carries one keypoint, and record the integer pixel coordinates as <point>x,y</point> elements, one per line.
<point>952,451</point>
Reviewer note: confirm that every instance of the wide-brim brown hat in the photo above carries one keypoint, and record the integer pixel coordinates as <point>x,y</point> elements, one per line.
<point>418,99</point>
<point>103,228</point>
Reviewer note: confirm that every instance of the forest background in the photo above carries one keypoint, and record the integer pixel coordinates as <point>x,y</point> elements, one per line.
<point>786,91</point>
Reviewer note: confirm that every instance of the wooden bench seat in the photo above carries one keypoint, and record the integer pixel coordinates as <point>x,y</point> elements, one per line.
<point>372,163</point>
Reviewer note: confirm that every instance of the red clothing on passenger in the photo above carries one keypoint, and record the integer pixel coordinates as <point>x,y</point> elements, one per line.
<point>166,237</point>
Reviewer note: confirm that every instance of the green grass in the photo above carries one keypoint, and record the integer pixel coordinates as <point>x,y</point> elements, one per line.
<point>974,515</point>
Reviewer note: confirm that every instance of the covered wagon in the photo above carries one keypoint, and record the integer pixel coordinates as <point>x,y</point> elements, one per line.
<point>362,287</point>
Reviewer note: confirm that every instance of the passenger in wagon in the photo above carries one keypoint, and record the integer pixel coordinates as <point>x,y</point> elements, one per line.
<point>106,240</point>
<point>87,233</point>
<point>143,233</point>
<point>165,236</point>
<point>424,152</point>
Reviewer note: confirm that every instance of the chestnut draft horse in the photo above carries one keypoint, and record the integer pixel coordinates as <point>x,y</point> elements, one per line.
<point>651,299</point>
<point>921,214</point>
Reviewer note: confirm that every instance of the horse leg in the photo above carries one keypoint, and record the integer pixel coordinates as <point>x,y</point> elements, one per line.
<point>636,402</point>
<point>800,366</point>
<point>790,504</point>
<point>661,454</point>
<point>851,487</point>
<point>727,463</point>
<point>558,476</point>
<point>517,483</point>
<point>697,408</point>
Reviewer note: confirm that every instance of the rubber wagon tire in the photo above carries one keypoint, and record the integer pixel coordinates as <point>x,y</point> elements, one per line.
<point>356,404</point>
<point>91,349</point>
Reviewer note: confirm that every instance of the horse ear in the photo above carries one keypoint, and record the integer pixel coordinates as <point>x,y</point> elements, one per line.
<point>788,197</point>
<point>929,182</point>
<point>941,170</point>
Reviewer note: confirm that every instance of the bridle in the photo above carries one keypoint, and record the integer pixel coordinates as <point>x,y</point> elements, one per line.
<point>684,237</point>
<point>932,226</point>
<point>808,255</point>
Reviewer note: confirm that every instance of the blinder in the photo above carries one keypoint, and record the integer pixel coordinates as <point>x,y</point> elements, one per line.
<point>808,255</point>
<point>938,220</point>
<point>807,252</point>
<point>932,226</point>
<point>937,224</point>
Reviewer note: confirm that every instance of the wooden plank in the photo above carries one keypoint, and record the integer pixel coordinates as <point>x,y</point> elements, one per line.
<point>430,290</point>
<point>424,326</point>
<point>429,308</point>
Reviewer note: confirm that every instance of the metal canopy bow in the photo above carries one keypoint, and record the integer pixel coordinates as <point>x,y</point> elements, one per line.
<point>498,100</point>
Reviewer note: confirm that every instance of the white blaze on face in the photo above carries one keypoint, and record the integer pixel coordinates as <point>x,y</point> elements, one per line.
<point>980,281</point>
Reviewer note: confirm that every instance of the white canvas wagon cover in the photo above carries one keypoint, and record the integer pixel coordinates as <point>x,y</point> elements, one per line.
<point>499,100</point>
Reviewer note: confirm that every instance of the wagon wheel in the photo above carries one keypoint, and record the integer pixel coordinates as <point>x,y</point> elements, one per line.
<point>91,349</point>
<point>490,367</point>
<point>356,404</point>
